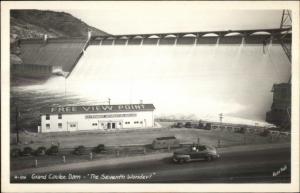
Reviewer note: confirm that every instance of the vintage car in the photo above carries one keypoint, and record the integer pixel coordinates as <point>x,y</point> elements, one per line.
<point>194,153</point>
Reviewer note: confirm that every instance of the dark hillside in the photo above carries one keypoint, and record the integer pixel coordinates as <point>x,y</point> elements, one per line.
<point>35,23</point>
<point>26,24</point>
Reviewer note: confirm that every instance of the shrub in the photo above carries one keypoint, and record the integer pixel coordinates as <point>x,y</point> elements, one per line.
<point>99,148</point>
<point>80,150</point>
<point>15,152</point>
<point>27,151</point>
<point>240,130</point>
<point>207,126</point>
<point>40,151</point>
<point>177,125</point>
<point>53,150</point>
<point>200,125</point>
<point>188,125</point>
<point>264,133</point>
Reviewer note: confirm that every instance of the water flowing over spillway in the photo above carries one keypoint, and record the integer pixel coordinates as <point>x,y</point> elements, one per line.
<point>202,80</point>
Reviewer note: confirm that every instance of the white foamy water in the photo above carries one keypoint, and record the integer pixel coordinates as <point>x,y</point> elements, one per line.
<point>202,80</point>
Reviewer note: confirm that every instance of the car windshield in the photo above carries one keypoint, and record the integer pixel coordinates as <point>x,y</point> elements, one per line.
<point>201,148</point>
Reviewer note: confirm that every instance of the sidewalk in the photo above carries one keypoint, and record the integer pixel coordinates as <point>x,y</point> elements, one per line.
<point>149,157</point>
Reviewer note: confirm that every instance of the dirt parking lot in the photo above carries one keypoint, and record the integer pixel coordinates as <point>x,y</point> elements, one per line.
<point>138,137</point>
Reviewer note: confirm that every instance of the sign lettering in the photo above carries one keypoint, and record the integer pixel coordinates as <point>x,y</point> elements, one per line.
<point>99,108</point>
<point>110,116</point>
<point>86,108</point>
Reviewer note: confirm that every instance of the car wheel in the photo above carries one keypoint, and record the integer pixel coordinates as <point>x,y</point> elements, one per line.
<point>209,158</point>
<point>181,161</point>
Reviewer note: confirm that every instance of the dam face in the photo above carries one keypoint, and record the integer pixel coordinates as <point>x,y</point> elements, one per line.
<point>200,80</point>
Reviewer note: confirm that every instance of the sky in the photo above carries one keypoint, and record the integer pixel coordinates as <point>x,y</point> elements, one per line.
<point>175,17</point>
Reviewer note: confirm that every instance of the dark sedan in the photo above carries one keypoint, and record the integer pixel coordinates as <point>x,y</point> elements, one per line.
<point>194,153</point>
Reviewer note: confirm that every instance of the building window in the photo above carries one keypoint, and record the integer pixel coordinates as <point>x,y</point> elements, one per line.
<point>59,116</point>
<point>141,122</point>
<point>72,125</point>
<point>94,124</point>
<point>47,117</point>
<point>127,122</point>
<point>59,125</point>
<point>48,126</point>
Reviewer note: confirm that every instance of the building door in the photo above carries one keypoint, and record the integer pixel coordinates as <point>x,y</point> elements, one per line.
<point>108,125</point>
<point>113,125</point>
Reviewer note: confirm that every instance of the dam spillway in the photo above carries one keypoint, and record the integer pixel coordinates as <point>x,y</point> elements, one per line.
<point>198,80</point>
<point>198,76</point>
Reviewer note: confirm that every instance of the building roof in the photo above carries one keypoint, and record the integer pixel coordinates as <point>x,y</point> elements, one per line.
<point>64,52</point>
<point>97,109</point>
<point>165,138</point>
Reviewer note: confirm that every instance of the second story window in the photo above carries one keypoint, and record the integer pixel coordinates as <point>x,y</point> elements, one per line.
<point>59,116</point>
<point>47,117</point>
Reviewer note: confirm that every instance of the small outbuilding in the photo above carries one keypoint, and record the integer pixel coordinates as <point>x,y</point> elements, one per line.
<point>165,142</point>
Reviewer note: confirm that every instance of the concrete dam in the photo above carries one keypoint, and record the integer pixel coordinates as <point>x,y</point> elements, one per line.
<point>200,74</point>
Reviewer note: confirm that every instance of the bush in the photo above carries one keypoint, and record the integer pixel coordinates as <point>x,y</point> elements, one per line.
<point>207,126</point>
<point>27,151</point>
<point>80,150</point>
<point>53,150</point>
<point>240,130</point>
<point>200,125</point>
<point>15,152</point>
<point>40,151</point>
<point>177,125</point>
<point>99,148</point>
<point>188,125</point>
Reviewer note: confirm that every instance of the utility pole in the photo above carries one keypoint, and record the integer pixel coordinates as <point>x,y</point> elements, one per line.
<point>219,140</point>
<point>221,117</point>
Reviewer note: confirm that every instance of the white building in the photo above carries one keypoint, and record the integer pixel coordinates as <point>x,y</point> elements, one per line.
<point>101,117</point>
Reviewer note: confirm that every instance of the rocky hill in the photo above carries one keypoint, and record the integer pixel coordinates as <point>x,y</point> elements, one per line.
<point>36,23</point>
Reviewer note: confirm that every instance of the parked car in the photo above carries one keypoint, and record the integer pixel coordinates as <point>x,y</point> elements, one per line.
<point>99,148</point>
<point>27,151</point>
<point>194,153</point>
<point>80,150</point>
<point>40,151</point>
<point>53,150</point>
